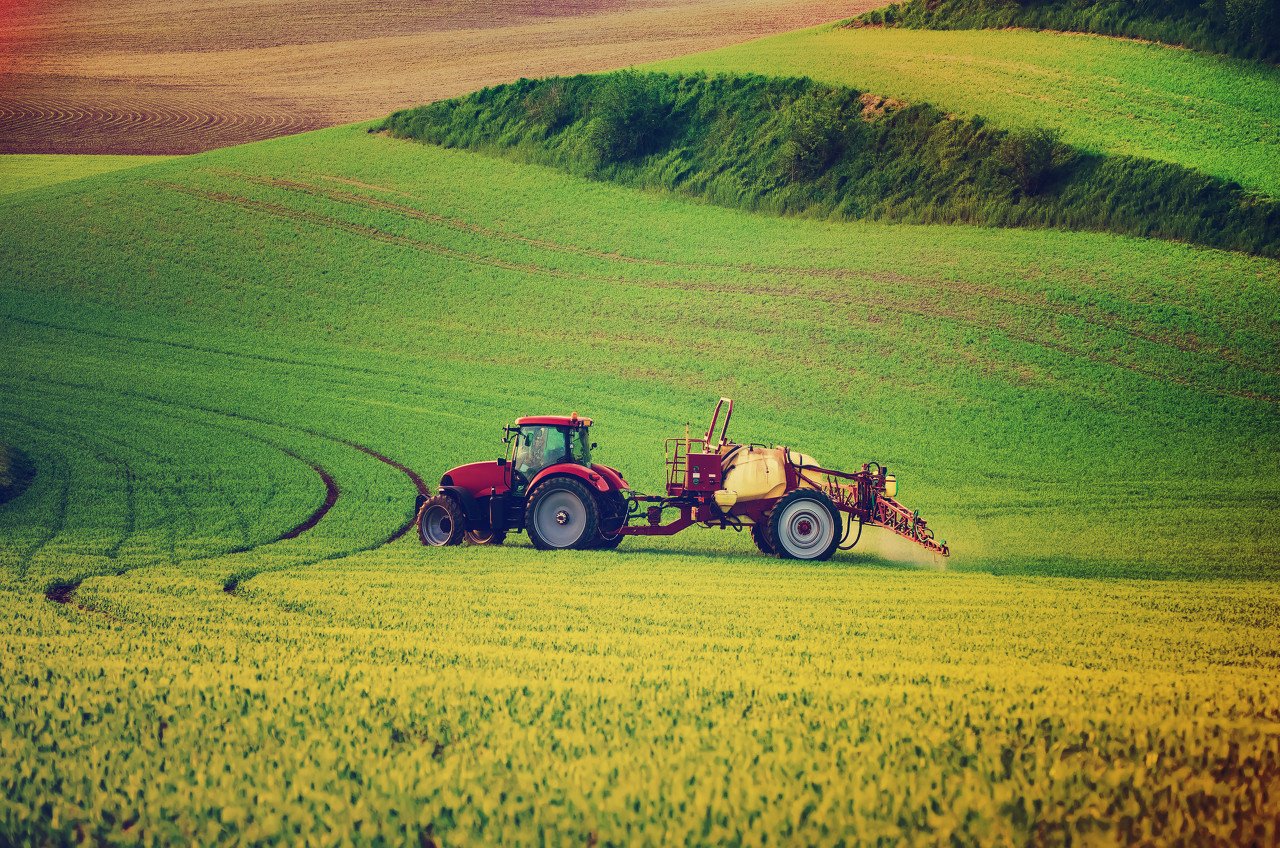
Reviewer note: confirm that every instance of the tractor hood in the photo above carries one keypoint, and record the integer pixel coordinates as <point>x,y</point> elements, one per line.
<point>478,478</point>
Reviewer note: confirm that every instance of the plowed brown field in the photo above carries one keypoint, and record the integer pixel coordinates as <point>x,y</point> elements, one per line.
<point>139,76</point>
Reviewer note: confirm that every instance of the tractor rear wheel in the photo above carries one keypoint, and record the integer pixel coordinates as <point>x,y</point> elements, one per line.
<point>441,522</point>
<point>562,515</point>
<point>760,533</point>
<point>805,525</point>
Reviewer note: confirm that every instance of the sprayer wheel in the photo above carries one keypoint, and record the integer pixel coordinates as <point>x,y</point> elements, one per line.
<point>805,525</point>
<point>760,533</point>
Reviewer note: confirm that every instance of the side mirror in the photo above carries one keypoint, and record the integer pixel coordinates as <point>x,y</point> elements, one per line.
<point>502,460</point>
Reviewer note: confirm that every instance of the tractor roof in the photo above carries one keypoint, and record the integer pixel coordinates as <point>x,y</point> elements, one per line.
<point>555,420</point>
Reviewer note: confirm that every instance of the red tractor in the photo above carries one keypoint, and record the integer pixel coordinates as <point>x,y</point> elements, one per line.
<point>548,486</point>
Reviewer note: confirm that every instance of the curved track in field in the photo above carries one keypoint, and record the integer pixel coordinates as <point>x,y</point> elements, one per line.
<point>63,591</point>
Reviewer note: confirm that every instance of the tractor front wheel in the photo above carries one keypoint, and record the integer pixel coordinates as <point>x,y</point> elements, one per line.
<point>562,515</point>
<point>805,525</point>
<point>441,522</point>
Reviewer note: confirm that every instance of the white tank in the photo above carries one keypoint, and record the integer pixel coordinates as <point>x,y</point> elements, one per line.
<point>756,473</point>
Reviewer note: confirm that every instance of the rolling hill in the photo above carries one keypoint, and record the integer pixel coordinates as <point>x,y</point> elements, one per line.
<point>232,371</point>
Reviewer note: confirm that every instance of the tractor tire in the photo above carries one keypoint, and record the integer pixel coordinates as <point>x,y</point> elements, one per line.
<point>613,515</point>
<point>441,522</point>
<point>760,533</point>
<point>562,515</point>
<point>485,537</point>
<point>805,524</point>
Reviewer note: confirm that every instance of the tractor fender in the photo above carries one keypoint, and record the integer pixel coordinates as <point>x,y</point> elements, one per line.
<point>470,506</point>
<point>612,475</point>
<point>589,476</point>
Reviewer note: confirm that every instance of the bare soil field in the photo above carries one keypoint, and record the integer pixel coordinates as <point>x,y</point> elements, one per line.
<point>137,76</point>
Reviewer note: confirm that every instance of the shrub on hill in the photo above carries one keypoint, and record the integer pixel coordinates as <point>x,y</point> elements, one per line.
<point>797,146</point>
<point>1249,29</point>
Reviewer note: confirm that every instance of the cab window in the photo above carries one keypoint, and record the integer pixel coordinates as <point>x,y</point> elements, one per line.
<point>580,445</point>
<point>538,446</point>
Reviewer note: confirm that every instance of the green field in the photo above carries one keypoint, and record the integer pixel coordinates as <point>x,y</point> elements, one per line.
<point>1216,115</point>
<point>19,172</point>
<point>225,369</point>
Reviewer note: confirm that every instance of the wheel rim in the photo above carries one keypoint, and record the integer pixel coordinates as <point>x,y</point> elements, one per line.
<point>561,518</point>
<point>437,526</point>
<point>805,529</point>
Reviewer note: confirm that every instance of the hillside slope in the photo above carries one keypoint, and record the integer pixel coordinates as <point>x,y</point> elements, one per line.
<point>1211,114</point>
<point>410,300</point>
<point>20,172</point>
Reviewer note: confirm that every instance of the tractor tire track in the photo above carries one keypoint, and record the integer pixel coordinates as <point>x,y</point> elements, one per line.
<point>330,498</point>
<point>1012,330</point>
<point>417,481</point>
<point>175,408</point>
<point>63,590</point>
<point>331,487</point>
<point>239,517</point>
<point>90,443</point>
<point>414,477</point>
<point>278,211</point>
<point>1184,343</point>
<point>256,357</point>
<point>59,522</point>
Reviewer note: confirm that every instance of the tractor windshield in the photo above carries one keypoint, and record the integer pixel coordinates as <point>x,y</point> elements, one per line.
<point>538,446</point>
<point>541,445</point>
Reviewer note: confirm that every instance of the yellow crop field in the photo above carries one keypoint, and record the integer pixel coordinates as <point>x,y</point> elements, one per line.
<point>477,697</point>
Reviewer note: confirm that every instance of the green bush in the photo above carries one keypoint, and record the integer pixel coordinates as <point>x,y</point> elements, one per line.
<point>1030,158</point>
<point>816,128</point>
<point>627,115</point>
<point>549,107</point>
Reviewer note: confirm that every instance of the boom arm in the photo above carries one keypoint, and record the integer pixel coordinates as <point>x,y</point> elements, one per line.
<point>863,495</point>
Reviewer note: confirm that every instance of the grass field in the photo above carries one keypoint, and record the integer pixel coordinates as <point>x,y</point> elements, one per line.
<point>135,76</point>
<point>1213,114</point>
<point>20,172</point>
<point>230,369</point>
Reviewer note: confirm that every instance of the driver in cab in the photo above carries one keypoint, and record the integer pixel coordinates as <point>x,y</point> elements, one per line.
<point>536,452</point>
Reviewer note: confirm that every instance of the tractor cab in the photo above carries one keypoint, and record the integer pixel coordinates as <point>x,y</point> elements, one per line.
<point>541,441</point>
